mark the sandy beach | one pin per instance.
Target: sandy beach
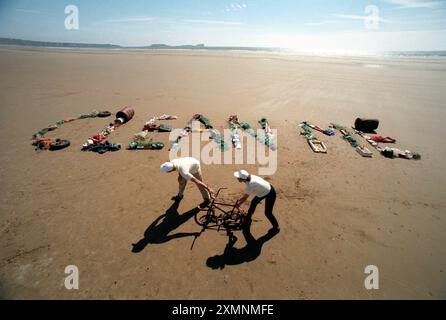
(338, 212)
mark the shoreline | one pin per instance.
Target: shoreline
(285, 55)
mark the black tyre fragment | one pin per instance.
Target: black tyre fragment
(59, 144)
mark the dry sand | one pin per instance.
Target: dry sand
(338, 212)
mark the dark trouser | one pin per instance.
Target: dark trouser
(269, 204)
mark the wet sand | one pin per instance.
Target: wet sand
(338, 212)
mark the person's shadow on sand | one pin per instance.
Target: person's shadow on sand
(234, 256)
(158, 231)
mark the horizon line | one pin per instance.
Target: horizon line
(47, 44)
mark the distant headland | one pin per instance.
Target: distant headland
(47, 44)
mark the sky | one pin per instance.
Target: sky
(306, 25)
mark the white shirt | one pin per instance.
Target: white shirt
(187, 167)
(258, 187)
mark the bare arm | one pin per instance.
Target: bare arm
(242, 200)
(201, 183)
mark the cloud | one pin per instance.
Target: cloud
(320, 23)
(414, 4)
(130, 19)
(358, 17)
(375, 18)
(216, 22)
(235, 7)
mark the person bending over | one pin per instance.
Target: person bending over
(261, 189)
(188, 168)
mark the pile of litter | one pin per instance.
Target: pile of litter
(42, 143)
(98, 143)
(174, 145)
(315, 144)
(141, 140)
(102, 147)
(387, 151)
(353, 139)
(266, 138)
(205, 121)
(350, 138)
(233, 126)
(152, 126)
(213, 133)
(330, 131)
(50, 144)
